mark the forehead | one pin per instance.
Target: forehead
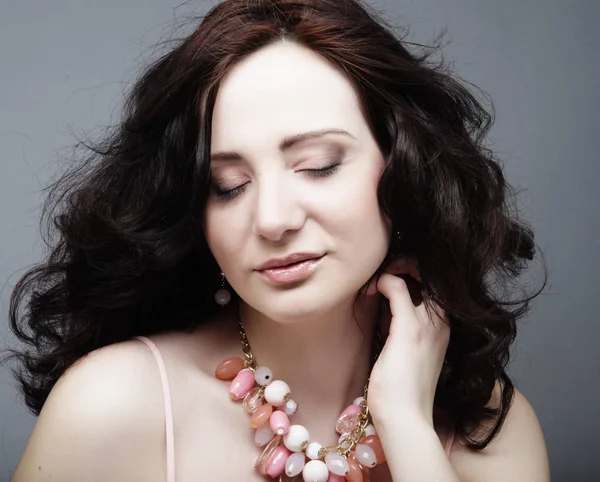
(281, 90)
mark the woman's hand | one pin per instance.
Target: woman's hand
(404, 379)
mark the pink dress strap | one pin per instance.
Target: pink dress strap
(449, 441)
(167, 405)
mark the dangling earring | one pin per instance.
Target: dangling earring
(397, 240)
(222, 296)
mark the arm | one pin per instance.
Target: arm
(518, 453)
(402, 390)
(413, 451)
(100, 422)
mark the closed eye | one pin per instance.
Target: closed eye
(229, 194)
(226, 195)
(325, 171)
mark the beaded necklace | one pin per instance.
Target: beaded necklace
(288, 448)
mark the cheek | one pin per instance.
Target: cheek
(218, 238)
(354, 203)
(365, 227)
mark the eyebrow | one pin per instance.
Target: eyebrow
(285, 144)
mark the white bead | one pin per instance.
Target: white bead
(295, 464)
(343, 436)
(337, 464)
(263, 435)
(366, 455)
(312, 451)
(277, 393)
(370, 430)
(263, 376)
(315, 471)
(290, 408)
(296, 437)
(358, 401)
(222, 297)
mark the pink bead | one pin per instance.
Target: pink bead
(353, 409)
(261, 416)
(335, 478)
(280, 422)
(241, 384)
(348, 419)
(276, 463)
(228, 369)
(363, 474)
(366, 474)
(355, 473)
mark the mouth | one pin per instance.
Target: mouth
(288, 260)
(293, 263)
(291, 272)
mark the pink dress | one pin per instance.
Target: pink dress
(170, 440)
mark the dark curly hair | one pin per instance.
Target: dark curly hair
(130, 256)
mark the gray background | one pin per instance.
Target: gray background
(65, 64)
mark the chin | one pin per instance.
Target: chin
(295, 309)
(300, 303)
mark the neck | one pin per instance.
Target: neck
(326, 360)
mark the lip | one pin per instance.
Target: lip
(293, 273)
(292, 258)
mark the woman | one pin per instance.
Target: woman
(296, 204)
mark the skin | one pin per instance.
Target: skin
(282, 91)
(104, 419)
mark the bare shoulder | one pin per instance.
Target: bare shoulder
(517, 453)
(103, 415)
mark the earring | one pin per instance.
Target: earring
(397, 240)
(222, 296)
(397, 243)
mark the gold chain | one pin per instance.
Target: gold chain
(249, 361)
(349, 443)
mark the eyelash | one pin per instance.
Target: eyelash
(223, 196)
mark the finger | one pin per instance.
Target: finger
(385, 322)
(405, 265)
(396, 291)
(408, 266)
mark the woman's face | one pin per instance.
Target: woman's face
(269, 199)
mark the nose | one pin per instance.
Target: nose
(277, 209)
